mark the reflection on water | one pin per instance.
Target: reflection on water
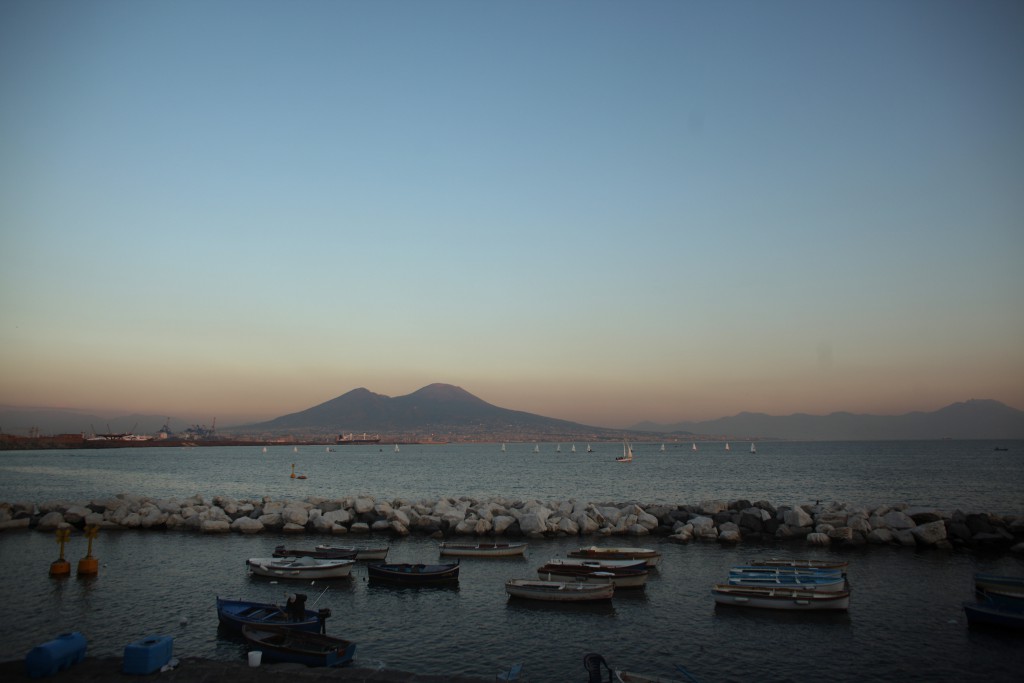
(905, 622)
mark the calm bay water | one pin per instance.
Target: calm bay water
(905, 621)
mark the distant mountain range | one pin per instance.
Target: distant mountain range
(446, 412)
(973, 419)
(438, 410)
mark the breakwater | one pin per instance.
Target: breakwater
(728, 522)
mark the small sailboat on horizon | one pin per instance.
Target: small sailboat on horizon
(536, 449)
(589, 449)
(726, 445)
(662, 448)
(753, 448)
(627, 453)
(396, 448)
(694, 446)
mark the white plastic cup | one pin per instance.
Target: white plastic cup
(255, 657)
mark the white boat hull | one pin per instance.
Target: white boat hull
(629, 581)
(300, 568)
(780, 598)
(651, 557)
(559, 591)
(598, 564)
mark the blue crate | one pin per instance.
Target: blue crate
(53, 656)
(147, 655)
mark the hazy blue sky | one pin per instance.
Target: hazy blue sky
(598, 211)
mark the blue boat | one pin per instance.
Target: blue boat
(805, 581)
(757, 570)
(234, 614)
(993, 614)
(998, 582)
(283, 644)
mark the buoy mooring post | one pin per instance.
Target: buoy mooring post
(61, 567)
(89, 565)
(293, 470)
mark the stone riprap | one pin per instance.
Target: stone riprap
(832, 524)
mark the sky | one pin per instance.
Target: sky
(599, 211)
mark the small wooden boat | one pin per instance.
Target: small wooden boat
(826, 584)
(482, 549)
(991, 613)
(233, 614)
(559, 591)
(999, 582)
(320, 553)
(751, 570)
(650, 556)
(813, 564)
(361, 553)
(621, 577)
(598, 564)
(414, 574)
(786, 598)
(282, 644)
(299, 568)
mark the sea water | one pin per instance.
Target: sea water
(905, 621)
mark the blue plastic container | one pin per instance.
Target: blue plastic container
(60, 653)
(147, 655)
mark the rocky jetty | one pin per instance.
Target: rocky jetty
(727, 522)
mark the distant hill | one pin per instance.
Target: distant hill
(438, 409)
(973, 419)
(50, 421)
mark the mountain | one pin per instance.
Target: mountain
(438, 409)
(973, 419)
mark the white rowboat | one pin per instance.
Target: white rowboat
(482, 549)
(650, 556)
(559, 591)
(300, 568)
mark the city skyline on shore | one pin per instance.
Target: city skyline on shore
(600, 212)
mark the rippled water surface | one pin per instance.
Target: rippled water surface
(905, 623)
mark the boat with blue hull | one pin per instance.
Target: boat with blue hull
(234, 614)
(999, 582)
(282, 644)
(991, 613)
(801, 581)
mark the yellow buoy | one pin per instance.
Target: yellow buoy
(293, 470)
(61, 567)
(89, 565)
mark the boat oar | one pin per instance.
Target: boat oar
(319, 596)
(682, 669)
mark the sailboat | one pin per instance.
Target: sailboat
(589, 449)
(726, 445)
(396, 448)
(502, 448)
(662, 448)
(573, 449)
(264, 449)
(694, 447)
(295, 449)
(753, 448)
(627, 453)
(536, 449)
(558, 448)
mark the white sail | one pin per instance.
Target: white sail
(753, 448)
(396, 448)
(726, 445)
(502, 448)
(694, 447)
(573, 449)
(627, 453)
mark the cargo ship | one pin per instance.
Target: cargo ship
(353, 440)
